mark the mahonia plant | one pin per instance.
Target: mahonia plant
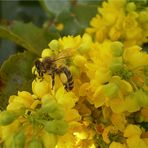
(108, 105)
(121, 20)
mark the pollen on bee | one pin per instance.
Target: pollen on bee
(63, 78)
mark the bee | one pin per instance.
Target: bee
(49, 66)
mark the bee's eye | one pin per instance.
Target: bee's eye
(37, 66)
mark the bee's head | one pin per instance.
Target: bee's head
(38, 64)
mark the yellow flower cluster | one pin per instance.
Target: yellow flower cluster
(108, 105)
(120, 20)
(27, 119)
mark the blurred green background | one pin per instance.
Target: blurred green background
(25, 11)
(74, 14)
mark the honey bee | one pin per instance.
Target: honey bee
(49, 66)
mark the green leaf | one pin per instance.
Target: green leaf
(144, 125)
(16, 75)
(84, 13)
(76, 22)
(89, 2)
(75, 15)
(27, 35)
(71, 25)
(55, 7)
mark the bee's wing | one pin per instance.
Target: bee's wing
(64, 54)
(61, 58)
(67, 52)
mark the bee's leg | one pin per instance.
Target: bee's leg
(34, 75)
(53, 80)
(34, 72)
(41, 76)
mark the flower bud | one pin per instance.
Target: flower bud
(74, 70)
(131, 6)
(58, 127)
(117, 48)
(85, 46)
(111, 89)
(46, 53)
(143, 16)
(57, 114)
(79, 60)
(54, 45)
(116, 65)
(59, 26)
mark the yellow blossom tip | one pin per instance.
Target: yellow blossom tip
(46, 53)
(54, 45)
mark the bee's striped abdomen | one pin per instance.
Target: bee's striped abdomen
(69, 84)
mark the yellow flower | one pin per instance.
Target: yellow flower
(136, 142)
(8, 133)
(110, 15)
(66, 99)
(136, 67)
(112, 93)
(132, 130)
(40, 88)
(66, 141)
(69, 42)
(108, 130)
(49, 140)
(54, 46)
(98, 68)
(110, 83)
(59, 26)
(131, 55)
(72, 115)
(47, 53)
(118, 104)
(85, 45)
(117, 145)
(99, 98)
(24, 99)
(79, 61)
(116, 20)
(76, 136)
(119, 121)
